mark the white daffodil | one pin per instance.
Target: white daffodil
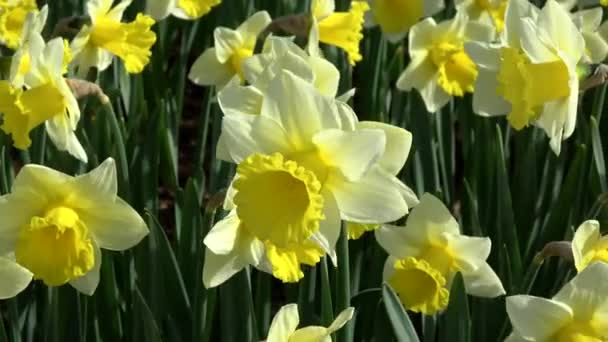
(340, 29)
(12, 19)
(579, 311)
(395, 18)
(55, 225)
(40, 94)
(588, 21)
(284, 326)
(97, 44)
(439, 66)
(425, 255)
(335, 169)
(532, 77)
(588, 246)
(490, 12)
(217, 65)
(183, 9)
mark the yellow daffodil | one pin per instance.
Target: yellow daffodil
(333, 167)
(578, 313)
(588, 246)
(55, 224)
(40, 94)
(396, 17)
(532, 77)
(97, 44)
(425, 255)
(183, 9)
(341, 29)
(284, 326)
(588, 21)
(217, 65)
(12, 19)
(15, 278)
(490, 12)
(439, 67)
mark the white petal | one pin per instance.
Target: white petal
(586, 292)
(159, 9)
(434, 96)
(253, 26)
(343, 318)
(470, 253)
(483, 54)
(533, 44)
(398, 145)
(208, 70)
(327, 76)
(301, 116)
(99, 182)
(227, 42)
(117, 11)
(115, 225)
(431, 218)
(87, 284)
(353, 153)
(596, 47)
(585, 237)
(329, 228)
(400, 242)
(222, 238)
(219, 268)
(421, 36)
(556, 21)
(486, 101)
(372, 199)
(537, 318)
(432, 6)
(418, 73)
(284, 324)
(17, 210)
(236, 98)
(483, 282)
(14, 278)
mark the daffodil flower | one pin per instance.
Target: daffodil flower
(284, 326)
(12, 19)
(395, 18)
(55, 225)
(40, 94)
(532, 77)
(183, 9)
(97, 44)
(334, 169)
(217, 65)
(588, 21)
(341, 29)
(439, 67)
(491, 12)
(578, 312)
(30, 39)
(425, 255)
(588, 246)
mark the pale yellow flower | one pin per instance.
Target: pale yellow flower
(183, 9)
(106, 37)
(425, 255)
(55, 225)
(396, 17)
(588, 246)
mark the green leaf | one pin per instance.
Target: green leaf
(400, 321)
(456, 327)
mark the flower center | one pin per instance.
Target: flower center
(457, 72)
(420, 287)
(278, 200)
(343, 29)
(197, 8)
(56, 248)
(129, 41)
(395, 16)
(527, 86)
(237, 57)
(578, 331)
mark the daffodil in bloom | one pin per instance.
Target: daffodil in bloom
(588, 246)
(532, 77)
(12, 20)
(486, 11)
(183, 9)
(588, 21)
(425, 255)
(40, 94)
(439, 67)
(30, 40)
(55, 225)
(284, 326)
(319, 166)
(341, 29)
(217, 65)
(578, 313)
(97, 44)
(396, 17)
